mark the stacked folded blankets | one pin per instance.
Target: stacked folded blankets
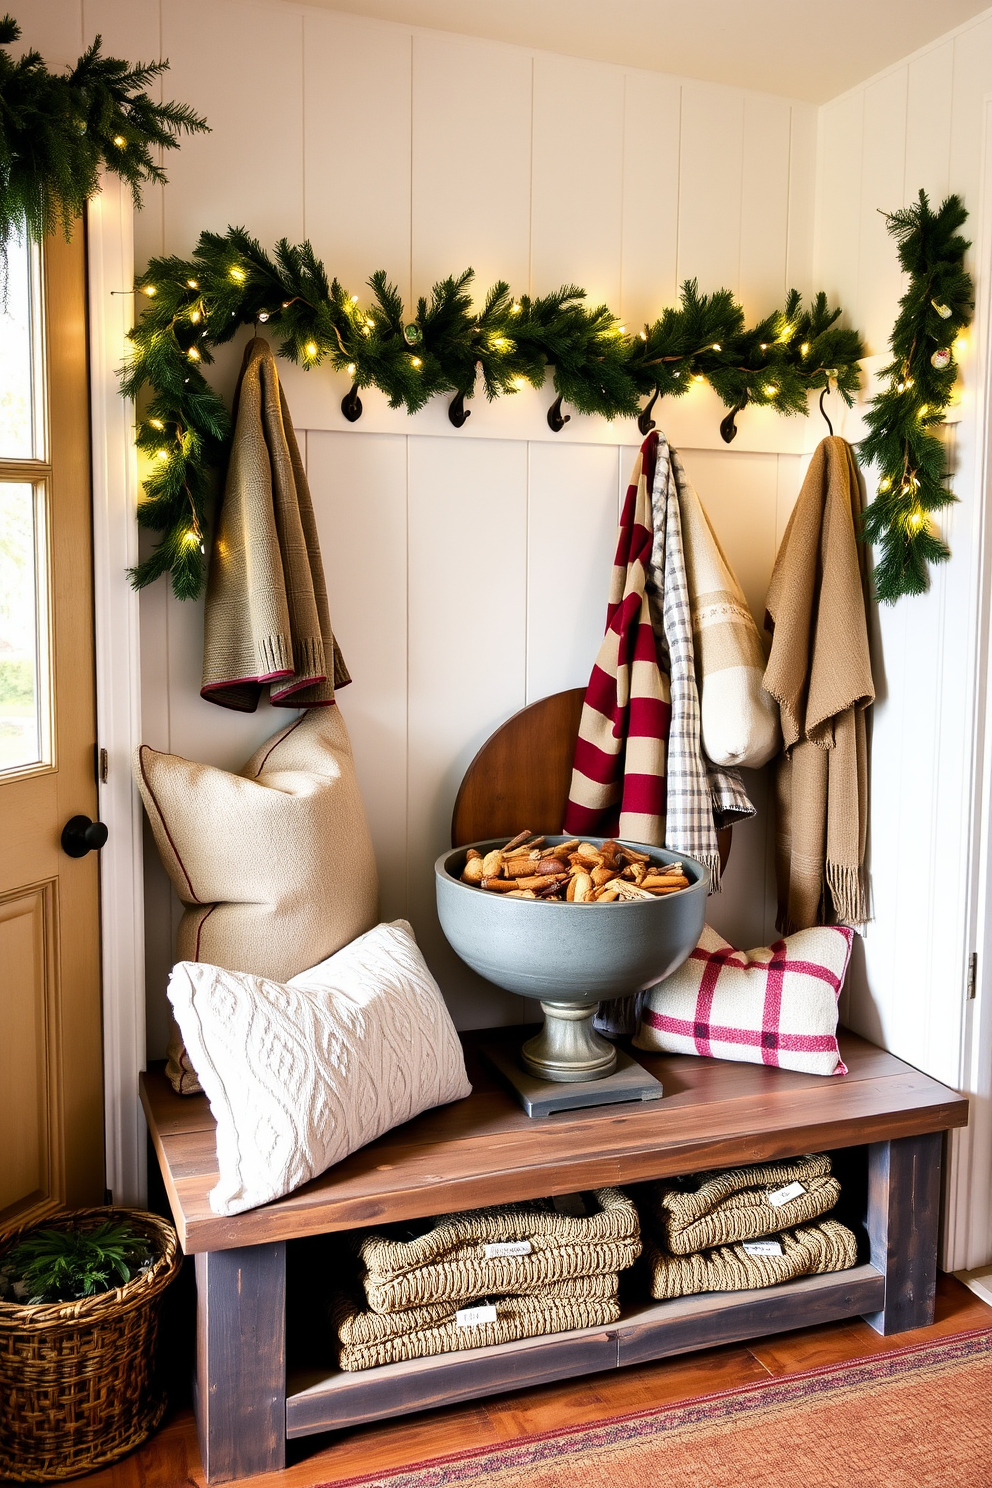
(744, 1227)
(488, 1276)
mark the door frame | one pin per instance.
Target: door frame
(110, 254)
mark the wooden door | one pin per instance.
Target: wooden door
(51, 1079)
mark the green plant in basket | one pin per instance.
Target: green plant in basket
(66, 1263)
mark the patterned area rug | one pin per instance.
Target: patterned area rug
(913, 1418)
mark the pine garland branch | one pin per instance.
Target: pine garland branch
(58, 130)
(446, 348)
(902, 417)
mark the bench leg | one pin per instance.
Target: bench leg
(903, 1213)
(240, 1389)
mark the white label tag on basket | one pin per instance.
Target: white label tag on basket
(473, 1317)
(763, 1247)
(780, 1196)
(508, 1248)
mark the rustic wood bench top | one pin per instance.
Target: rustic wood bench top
(485, 1150)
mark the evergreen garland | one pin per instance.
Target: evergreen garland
(901, 419)
(230, 281)
(57, 131)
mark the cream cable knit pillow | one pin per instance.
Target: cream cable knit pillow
(274, 864)
(299, 1074)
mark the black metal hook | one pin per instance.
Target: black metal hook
(824, 411)
(728, 425)
(556, 419)
(457, 412)
(644, 420)
(351, 405)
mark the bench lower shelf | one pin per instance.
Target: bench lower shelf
(650, 1331)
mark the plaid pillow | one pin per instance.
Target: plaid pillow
(776, 1005)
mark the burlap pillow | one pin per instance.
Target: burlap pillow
(775, 1005)
(274, 864)
(300, 1074)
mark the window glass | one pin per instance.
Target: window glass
(24, 703)
(19, 404)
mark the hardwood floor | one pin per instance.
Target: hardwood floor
(171, 1459)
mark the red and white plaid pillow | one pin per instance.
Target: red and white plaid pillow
(776, 1005)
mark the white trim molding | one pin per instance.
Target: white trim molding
(968, 1230)
(110, 242)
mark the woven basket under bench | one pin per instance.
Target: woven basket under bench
(77, 1379)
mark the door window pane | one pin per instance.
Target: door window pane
(20, 405)
(24, 700)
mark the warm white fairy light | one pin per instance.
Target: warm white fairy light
(311, 348)
(515, 308)
(238, 274)
(156, 423)
(416, 362)
(193, 283)
(120, 141)
(150, 290)
(769, 390)
(194, 316)
(351, 369)
(193, 354)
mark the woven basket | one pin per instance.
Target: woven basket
(77, 1382)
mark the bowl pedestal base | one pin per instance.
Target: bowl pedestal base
(539, 1097)
(568, 1049)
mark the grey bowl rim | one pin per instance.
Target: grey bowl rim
(700, 884)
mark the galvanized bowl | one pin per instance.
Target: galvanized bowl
(570, 957)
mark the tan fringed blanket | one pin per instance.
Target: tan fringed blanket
(267, 620)
(819, 673)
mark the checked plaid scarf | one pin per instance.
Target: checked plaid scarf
(639, 770)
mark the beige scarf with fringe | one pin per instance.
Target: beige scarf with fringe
(819, 673)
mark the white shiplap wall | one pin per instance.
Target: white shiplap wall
(922, 124)
(423, 152)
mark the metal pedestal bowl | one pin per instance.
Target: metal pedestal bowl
(570, 957)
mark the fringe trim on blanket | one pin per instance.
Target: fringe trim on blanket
(849, 894)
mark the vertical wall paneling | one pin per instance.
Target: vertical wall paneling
(764, 203)
(802, 198)
(577, 176)
(356, 148)
(466, 657)
(840, 136)
(972, 71)
(486, 172)
(649, 267)
(929, 100)
(882, 184)
(571, 536)
(710, 175)
(249, 171)
(359, 489)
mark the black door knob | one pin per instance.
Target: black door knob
(80, 836)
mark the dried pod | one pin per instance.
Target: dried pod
(521, 894)
(520, 866)
(516, 841)
(587, 852)
(541, 881)
(473, 872)
(583, 888)
(471, 853)
(492, 863)
(601, 876)
(630, 891)
(658, 893)
(501, 885)
(637, 857)
(570, 891)
(609, 892)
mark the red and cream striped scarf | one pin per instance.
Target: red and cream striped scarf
(619, 776)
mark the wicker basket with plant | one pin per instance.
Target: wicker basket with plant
(79, 1306)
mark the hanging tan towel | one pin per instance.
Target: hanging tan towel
(738, 720)
(516, 1317)
(738, 1204)
(819, 673)
(266, 620)
(511, 1248)
(806, 1251)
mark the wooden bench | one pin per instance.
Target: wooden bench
(884, 1121)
